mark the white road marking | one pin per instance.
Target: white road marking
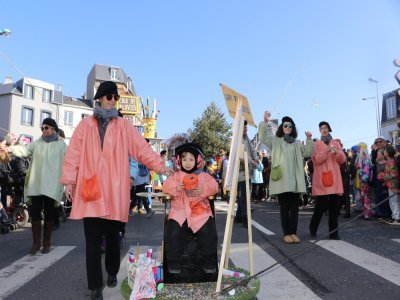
(396, 240)
(261, 228)
(277, 283)
(383, 267)
(23, 270)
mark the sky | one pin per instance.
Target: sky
(310, 60)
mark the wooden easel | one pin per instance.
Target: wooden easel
(238, 148)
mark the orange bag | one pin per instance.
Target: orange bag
(91, 190)
(190, 181)
(198, 208)
(327, 179)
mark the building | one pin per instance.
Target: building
(25, 103)
(391, 116)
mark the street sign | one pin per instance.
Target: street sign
(231, 98)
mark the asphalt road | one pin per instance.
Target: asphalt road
(364, 264)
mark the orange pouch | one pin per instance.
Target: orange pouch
(91, 188)
(198, 208)
(190, 181)
(327, 179)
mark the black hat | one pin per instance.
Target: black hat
(106, 87)
(50, 122)
(193, 148)
(288, 119)
(325, 123)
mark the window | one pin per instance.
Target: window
(28, 93)
(43, 115)
(68, 118)
(27, 116)
(114, 74)
(85, 115)
(46, 96)
(391, 107)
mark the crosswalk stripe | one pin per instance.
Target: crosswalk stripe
(261, 228)
(374, 263)
(277, 283)
(396, 240)
(23, 270)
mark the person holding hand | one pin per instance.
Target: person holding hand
(287, 180)
(96, 175)
(327, 182)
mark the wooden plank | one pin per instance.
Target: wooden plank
(249, 227)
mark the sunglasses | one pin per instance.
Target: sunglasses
(287, 126)
(378, 142)
(46, 128)
(110, 96)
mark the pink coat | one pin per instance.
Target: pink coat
(326, 161)
(180, 204)
(85, 158)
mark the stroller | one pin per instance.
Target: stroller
(6, 223)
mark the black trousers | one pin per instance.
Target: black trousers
(94, 229)
(289, 210)
(44, 203)
(176, 238)
(323, 203)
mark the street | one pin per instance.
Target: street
(364, 264)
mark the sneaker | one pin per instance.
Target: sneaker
(395, 222)
(295, 239)
(388, 220)
(174, 267)
(209, 267)
(288, 239)
(142, 211)
(131, 213)
(150, 213)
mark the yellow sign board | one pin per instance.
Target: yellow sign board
(231, 99)
(129, 105)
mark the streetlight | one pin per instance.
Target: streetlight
(5, 32)
(373, 80)
(377, 113)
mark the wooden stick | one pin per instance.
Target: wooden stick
(224, 261)
(249, 228)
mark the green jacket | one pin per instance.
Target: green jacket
(290, 159)
(44, 172)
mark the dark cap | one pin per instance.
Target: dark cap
(325, 123)
(106, 87)
(288, 119)
(50, 122)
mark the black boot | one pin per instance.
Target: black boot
(209, 264)
(112, 281)
(97, 294)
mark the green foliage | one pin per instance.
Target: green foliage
(212, 131)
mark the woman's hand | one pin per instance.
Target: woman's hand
(180, 187)
(267, 115)
(196, 192)
(166, 171)
(70, 192)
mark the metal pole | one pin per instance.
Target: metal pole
(379, 115)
